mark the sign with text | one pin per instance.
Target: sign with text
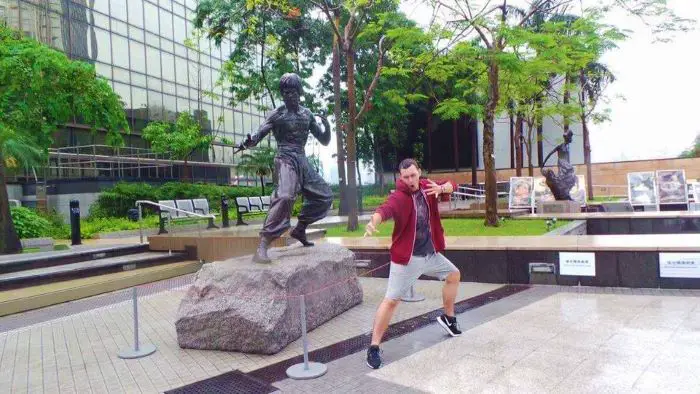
(679, 265)
(576, 264)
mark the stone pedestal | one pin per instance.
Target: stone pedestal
(559, 207)
(238, 305)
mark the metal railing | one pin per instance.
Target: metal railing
(140, 203)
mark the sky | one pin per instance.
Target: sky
(654, 101)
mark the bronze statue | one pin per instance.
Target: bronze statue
(560, 184)
(291, 124)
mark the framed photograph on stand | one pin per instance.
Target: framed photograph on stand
(641, 189)
(522, 193)
(672, 187)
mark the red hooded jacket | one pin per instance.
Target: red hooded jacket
(401, 207)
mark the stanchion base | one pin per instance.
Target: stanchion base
(413, 298)
(144, 350)
(298, 372)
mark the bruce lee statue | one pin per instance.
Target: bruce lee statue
(291, 124)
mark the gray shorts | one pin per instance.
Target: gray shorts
(402, 277)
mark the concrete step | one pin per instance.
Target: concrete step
(22, 262)
(39, 296)
(86, 268)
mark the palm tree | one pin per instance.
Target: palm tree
(592, 80)
(260, 162)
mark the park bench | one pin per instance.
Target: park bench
(196, 206)
(247, 205)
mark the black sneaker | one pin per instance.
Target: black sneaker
(449, 323)
(374, 360)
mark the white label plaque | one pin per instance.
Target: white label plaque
(679, 265)
(576, 264)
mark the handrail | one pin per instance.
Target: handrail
(140, 202)
(175, 209)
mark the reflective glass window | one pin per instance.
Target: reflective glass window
(183, 91)
(102, 46)
(152, 39)
(124, 92)
(183, 104)
(179, 32)
(166, 24)
(154, 84)
(151, 17)
(138, 79)
(120, 27)
(101, 6)
(169, 87)
(167, 4)
(101, 20)
(136, 33)
(168, 66)
(181, 70)
(79, 39)
(120, 74)
(120, 51)
(136, 12)
(153, 59)
(118, 8)
(155, 105)
(180, 50)
(138, 62)
(103, 69)
(179, 10)
(54, 5)
(139, 97)
(170, 106)
(228, 124)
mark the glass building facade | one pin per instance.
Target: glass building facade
(139, 46)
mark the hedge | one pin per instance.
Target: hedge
(115, 202)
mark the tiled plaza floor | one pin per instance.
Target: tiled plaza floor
(78, 352)
(543, 340)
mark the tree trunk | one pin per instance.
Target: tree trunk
(429, 128)
(530, 167)
(343, 205)
(490, 186)
(567, 99)
(9, 240)
(518, 141)
(359, 189)
(262, 184)
(586, 141)
(350, 137)
(512, 139)
(475, 154)
(455, 144)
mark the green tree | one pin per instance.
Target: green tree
(260, 161)
(40, 91)
(270, 38)
(593, 80)
(693, 151)
(181, 139)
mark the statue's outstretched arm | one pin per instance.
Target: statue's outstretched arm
(323, 136)
(263, 130)
(544, 162)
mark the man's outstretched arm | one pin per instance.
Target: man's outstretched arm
(384, 212)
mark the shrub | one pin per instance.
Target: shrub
(115, 202)
(28, 223)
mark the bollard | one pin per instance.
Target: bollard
(139, 350)
(224, 211)
(305, 370)
(163, 215)
(412, 296)
(75, 222)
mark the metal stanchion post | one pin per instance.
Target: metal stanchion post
(139, 350)
(305, 370)
(412, 296)
(140, 224)
(224, 211)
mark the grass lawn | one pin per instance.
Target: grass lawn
(462, 227)
(55, 248)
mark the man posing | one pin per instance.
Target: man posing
(416, 243)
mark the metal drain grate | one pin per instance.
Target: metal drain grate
(233, 382)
